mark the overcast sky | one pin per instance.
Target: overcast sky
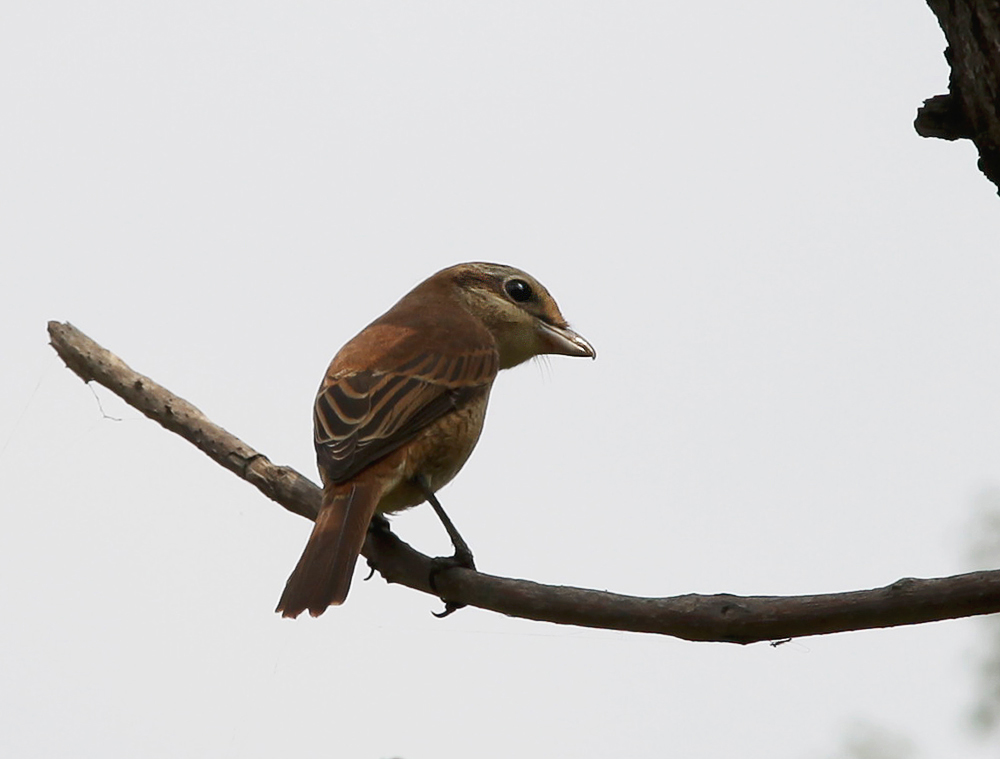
(794, 299)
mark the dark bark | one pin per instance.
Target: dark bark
(971, 109)
(722, 617)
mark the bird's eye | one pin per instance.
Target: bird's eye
(518, 290)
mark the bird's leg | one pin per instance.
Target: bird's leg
(461, 558)
(378, 524)
(463, 555)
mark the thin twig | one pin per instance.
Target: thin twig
(722, 617)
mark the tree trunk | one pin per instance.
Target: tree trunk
(971, 109)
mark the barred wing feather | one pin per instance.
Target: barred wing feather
(359, 417)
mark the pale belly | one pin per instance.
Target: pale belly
(437, 454)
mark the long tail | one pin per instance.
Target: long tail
(323, 575)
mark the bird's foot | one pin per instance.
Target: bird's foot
(378, 524)
(462, 559)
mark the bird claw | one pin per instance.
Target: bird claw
(378, 523)
(449, 608)
(439, 564)
(462, 559)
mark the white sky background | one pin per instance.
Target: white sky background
(793, 296)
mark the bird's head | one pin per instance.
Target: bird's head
(517, 309)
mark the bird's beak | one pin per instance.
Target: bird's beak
(564, 341)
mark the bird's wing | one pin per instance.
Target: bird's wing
(360, 416)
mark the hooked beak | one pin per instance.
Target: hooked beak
(564, 341)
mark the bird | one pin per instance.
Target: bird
(402, 406)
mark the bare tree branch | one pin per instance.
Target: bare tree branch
(971, 109)
(722, 617)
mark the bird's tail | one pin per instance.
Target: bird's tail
(323, 575)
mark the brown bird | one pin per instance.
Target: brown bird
(402, 405)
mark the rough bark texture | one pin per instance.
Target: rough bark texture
(971, 109)
(723, 617)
